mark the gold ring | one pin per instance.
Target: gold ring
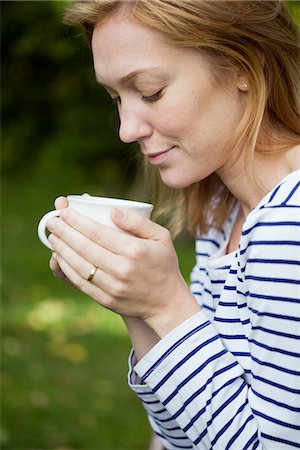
(92, 273)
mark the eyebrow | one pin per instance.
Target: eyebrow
(132, 75)
(135, 73)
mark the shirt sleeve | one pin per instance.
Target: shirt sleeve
(162, 423)
(203, 386)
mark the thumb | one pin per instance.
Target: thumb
(138, 225)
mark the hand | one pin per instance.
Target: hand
(60, 203)
(138, 274)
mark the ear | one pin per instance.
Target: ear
(242, 81)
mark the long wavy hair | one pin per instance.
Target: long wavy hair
(256, 36)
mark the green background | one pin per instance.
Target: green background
(64, 358)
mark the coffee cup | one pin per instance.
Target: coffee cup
(97, 208)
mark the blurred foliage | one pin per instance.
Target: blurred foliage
(57, 122)
(64, 358)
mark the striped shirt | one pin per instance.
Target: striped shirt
(228, 377)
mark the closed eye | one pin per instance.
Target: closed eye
(148, 99)
(153, 98)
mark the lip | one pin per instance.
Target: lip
(159, 157)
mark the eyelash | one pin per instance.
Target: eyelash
(153, 98)
(150, 99)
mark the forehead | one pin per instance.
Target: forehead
(121, 45)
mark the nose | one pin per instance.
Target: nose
(133, 127)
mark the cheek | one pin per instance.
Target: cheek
(175, 119)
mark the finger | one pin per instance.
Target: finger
(78, 249)
(61, 203)
(108, 283)
(107, 237)
(55, 268)
(85, 286)
(138, 225)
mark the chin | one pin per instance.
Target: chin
(176, 183)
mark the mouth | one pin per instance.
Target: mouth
(159, 157)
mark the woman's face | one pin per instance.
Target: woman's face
(168, 100)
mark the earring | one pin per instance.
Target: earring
(244, 87)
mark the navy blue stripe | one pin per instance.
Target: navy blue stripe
(229, 288)
(277, 385)
(173, 347)
(174, 445)
(275, 402)
(274, 349)
(182, 361)
(277, 333)
(202, 269)
(141, 394)
(233, 304)
(256, 444)
(202, 389)
(220, 319)
(227, 303)
(199, 413)
(271, 279)
(242, 354)
(208, 307)
(200, 437)
(237, 434)
(171, 429)
(281, 242)
(235, 336)
(291, 193)
(251, 440)
(278, 439)
(223, 267)
(217, 281)
(277, 421)
(176, 438)
(160, 411)
(186, 380)
(196, 292)
(270, 224)
(274, 193)
(210, 241)
(272, 261)
(274, 316)
(274, 366)
(202, 254)
(227, 425)
(157, 420)
(227, 402)
(154, 402)
(270, 297)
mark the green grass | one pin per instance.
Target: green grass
(64, 357)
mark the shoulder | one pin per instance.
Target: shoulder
(276, 219)
(279, 205)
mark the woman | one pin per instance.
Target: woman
(210, 91)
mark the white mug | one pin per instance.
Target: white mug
(97, 208)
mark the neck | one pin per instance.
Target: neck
(269, 170)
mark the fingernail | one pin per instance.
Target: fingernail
(51, 224)
(52, 239)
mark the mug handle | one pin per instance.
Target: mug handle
(42, 226)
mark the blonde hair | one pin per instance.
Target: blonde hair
(256, 36)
